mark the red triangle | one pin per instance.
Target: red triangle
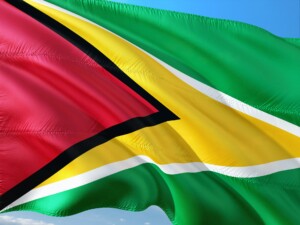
(52, 96)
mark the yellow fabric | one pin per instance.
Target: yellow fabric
(207, 131)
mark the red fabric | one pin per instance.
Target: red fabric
(52, 96)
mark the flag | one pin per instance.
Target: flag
(106, 104)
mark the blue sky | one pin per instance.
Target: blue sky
(152, 216)
(280, 17)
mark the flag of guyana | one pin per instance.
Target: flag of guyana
(105, 104)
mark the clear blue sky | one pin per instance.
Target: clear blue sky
(281, 17)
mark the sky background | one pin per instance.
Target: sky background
(281, 17)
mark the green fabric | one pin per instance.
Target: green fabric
(241, 60)
(294, 41)
(188, 199)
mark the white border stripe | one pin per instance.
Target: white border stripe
(232, 102)
(171, 169)
(203, 88)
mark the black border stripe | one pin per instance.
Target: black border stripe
(78, 149)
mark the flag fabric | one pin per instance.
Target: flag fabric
(105, 104)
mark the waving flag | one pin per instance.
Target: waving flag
(106, 104)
